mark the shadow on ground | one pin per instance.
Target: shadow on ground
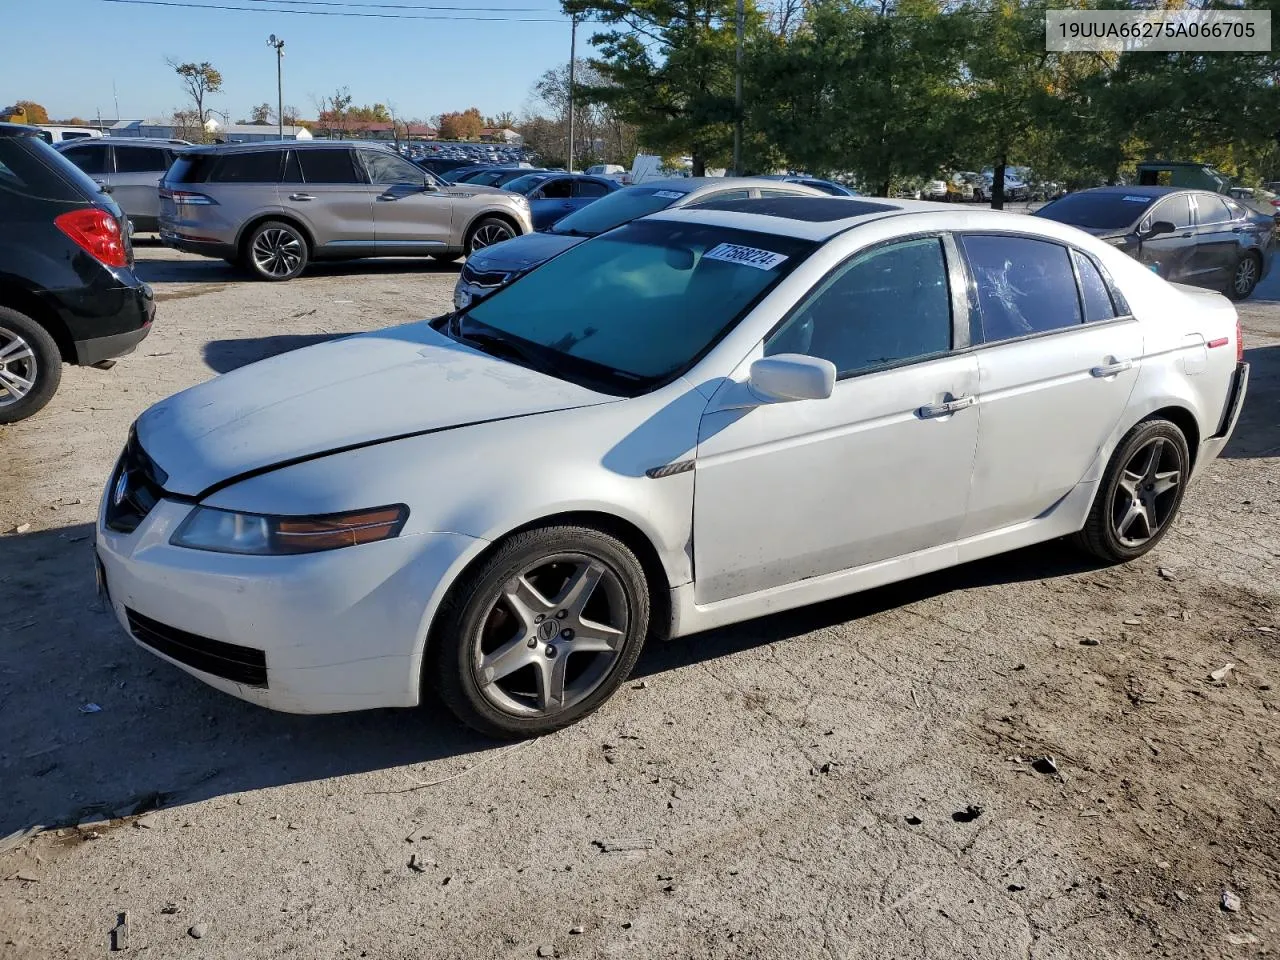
(1257, 433)
(211, 270)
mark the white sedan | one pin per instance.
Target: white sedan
(700, 417)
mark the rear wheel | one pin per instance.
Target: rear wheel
(542, 633)
(1245, 277)
(30, 366)
(1140, 493)
(276, 250)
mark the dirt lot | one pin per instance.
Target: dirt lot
(854, 780)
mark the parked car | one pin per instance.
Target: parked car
(487, 271)
(501, 503)
(614, 171)
(934, 190)
(490, 176)
(829, 187)
(60, 133)
(442, 166)
(1187, 236)
(130, 170)
(274, 207)
(553, 196)
(1260, 201)
(68, 293)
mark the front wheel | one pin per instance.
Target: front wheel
(276, 251)
(1140, 493)
(1244, 278)
(487, 232)
(30, 366)
(542, 633)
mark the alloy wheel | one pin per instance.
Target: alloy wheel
(18, 369)
(1147, 492)
(277, 252)
(490, 233)
(1246, 276)
(552, 636)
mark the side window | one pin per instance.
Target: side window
(328, 166)
(1211, 209)
(388, 169)
(590, 188)
(556, 190)
(889, 305)
(1024, 286)
(724, 195)
(1177, 210)
(92, 160)
(1237, 211)
(139, 160)
(255, 167)
(1093, 290)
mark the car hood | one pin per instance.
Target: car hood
(521, 253)
(339, 395)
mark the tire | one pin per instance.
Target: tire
(1245, 277)
(30, 366)
(487, 231)
(527, 652)
(1111, 533)
(276, 250)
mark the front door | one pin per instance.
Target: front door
(408, 218)
(325, 188)
(1169, 253)
(1055, 377)
(136, 182)
(793, 490)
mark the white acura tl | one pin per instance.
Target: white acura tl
(700, 417)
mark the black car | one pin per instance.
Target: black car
(1187, 236)
(68, 293)
(490, 176)
(444, 166)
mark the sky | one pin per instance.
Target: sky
(422, 67)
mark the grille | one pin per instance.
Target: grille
(136, 487)
(492, 278)
(227, 660)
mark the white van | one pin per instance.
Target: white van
(52, 133)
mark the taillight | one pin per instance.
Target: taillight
(189, 198)
(1239, 342)
(97, 233)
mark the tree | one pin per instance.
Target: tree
(261, 114)
(187, 125)
(501, 121)
(200, 80)
(34, 111)
(465, 125)
(668, 68)
(333, 111)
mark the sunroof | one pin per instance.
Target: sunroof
(812, 209)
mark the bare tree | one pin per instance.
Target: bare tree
(200, 80)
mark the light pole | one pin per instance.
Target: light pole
(274, 41)
(573, 56)
(737, 98)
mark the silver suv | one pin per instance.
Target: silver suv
(129, 169)
(274, 207)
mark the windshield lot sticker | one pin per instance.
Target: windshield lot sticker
(747, 256)
(668, 194)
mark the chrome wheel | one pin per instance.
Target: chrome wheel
(552, 636)
(276, 252)
(18, 368)
(1146, 494)
(1246, 277)
(487, 234)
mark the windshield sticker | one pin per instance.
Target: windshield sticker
(668, 194)
(747, 256)
(1137, 199)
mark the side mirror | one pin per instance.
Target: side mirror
(792, 376)
(429, 186)
(1158, 228)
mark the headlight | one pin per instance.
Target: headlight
(225, 531)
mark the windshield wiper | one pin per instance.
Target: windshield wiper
(498, 344)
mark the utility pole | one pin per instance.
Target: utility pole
(274, 41)
(573, 57)
(737, 99)
(115, 96)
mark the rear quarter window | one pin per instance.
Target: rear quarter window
(255, 167)
(29, 167)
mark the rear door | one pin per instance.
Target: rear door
(1057, 362)
(136, 182)
(586, 190)
(407, 218)
(1170, 253)
(326, 188)
(1217, 242)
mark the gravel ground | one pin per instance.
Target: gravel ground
(864, 778)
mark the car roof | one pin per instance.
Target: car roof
(1136, 191)
(129, 142)
(808, 217)
(288, 145)
(19, 130)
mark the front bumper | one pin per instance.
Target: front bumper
(316, 633)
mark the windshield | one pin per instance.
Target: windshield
(527, 182)
(622, 206)
(1098, 211)
(633, 309)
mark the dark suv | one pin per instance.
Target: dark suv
(68, 292)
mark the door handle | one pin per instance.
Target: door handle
(946, 408)
(1111, 369)
(301, 196)
(1185, 235)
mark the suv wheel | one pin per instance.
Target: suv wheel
(487, 232)
(30, 366)
(276, 250)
